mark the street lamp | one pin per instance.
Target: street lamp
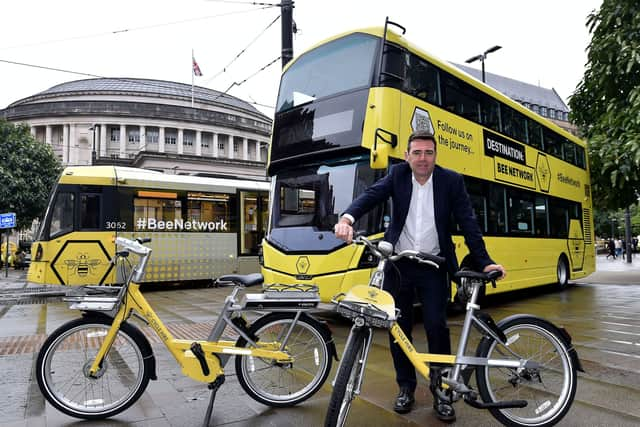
(482, 57)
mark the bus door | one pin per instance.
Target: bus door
(575, 244)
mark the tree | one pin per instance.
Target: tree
(606, 103)
(28, 170)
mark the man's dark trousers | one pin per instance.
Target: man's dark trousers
(432, 291)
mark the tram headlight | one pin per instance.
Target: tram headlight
(39, 252)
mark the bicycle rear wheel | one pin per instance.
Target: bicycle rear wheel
(286, 384)
(65, 358)
(548, 389)
(347, 378)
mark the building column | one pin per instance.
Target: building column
(198, 143)
(123, 141)
(215, 145)
(65, 144)
(33, 131)
(180, 141)
(104, 130)
(258, 153)
(161, 140)
(230, 146)
(143, 139)
(73, 146)
(245, 148)
(48, 135)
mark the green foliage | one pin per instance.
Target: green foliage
(605, 221)
(28, 170)
(606, 104)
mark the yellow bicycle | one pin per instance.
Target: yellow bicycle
(525, 366)
(97, 366)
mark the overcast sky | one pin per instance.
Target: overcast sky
(543, 41)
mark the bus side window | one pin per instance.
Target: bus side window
(62, 215)
(521, 213)
(497, 217)
(478, 202)
(460, 98)
(90, 211)
(558, 219)
(422, 80)
(542, 219)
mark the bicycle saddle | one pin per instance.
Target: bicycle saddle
(485, 277)
(242, 279)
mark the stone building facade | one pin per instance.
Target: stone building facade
(151, 124)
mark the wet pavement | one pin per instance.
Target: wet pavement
(600, 311)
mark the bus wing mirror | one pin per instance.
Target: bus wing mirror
(382, 144)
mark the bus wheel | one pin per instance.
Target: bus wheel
(563, 272)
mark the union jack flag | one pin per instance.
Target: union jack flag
(196, 68)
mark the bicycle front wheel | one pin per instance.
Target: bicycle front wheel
(548, 388)
(286, 384)
(347, 378)
(62, 369)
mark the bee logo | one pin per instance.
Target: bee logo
(82, 266)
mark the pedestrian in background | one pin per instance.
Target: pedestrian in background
(618, 247)
(611, 246)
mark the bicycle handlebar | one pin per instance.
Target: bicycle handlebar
(136, 246)
(385, 250)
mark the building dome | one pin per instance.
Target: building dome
(159, 89)
(153, 124)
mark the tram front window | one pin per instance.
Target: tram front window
(308, 202)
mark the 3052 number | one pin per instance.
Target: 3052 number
(116, 225)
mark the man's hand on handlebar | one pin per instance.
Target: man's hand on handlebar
(498, 267)
(343, 230)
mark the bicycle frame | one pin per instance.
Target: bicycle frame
(213, 353)
(134, 301)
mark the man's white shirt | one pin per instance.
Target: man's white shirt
(419, 232)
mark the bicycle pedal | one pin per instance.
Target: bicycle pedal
(197, 351)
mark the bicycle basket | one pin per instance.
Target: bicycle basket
(93, 298)
(372, 315)
(375, 306)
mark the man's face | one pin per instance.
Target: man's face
(422, 158)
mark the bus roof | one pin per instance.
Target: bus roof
(134, 177)
(446, 66)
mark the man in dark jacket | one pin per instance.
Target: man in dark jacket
(425, 198)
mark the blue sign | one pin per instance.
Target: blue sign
(8, 220)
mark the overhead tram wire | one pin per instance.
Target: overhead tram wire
(254, 3)
(141, 28)
(245, 80)
(224, 69)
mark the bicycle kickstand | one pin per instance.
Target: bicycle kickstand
(214, 386)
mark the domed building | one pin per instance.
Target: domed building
(151, 124)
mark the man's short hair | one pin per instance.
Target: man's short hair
(421, 134)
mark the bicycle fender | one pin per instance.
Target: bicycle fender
(562, 333)
(326, 334)
(137, 335)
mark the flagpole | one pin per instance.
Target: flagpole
(192, 77)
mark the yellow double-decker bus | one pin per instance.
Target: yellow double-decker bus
(344, 112)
